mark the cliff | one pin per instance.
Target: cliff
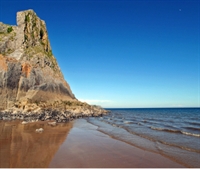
(30, 77)
(28, 69)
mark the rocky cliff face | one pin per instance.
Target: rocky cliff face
(28, 70)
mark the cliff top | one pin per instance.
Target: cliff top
(28, 41)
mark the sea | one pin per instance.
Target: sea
(172, 132)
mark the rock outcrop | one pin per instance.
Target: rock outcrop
(29, 73)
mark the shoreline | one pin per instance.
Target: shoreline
(74, 144)
(139, 142)
(89, 148)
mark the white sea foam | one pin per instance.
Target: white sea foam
(128, 122)
(190, 134)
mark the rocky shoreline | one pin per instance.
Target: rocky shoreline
(60, 112)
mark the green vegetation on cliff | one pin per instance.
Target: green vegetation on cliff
(10, 29)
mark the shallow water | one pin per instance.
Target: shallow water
(172, 132)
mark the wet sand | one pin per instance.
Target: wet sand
(86, 147)
(22, 147)
(75, 144)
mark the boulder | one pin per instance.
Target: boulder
(24, 122)
(40, 130)
(52, 123)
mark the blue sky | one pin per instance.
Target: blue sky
(123, 53)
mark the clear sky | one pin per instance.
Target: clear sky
(142, 53)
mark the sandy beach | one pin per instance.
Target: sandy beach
(75, 144)
(86, 147)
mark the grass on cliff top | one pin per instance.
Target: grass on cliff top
(10, 29)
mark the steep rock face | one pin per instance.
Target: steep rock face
(28, 69)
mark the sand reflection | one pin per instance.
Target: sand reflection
(21, 146)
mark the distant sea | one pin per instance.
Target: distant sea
(172, 132)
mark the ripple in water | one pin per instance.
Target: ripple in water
(177, 130)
